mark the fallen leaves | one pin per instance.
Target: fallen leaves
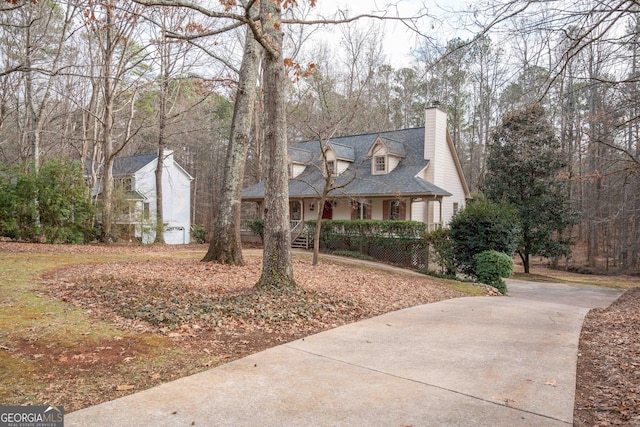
(179, 316)
(183, 298)
(608, 372)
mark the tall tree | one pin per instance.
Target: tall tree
(171, 60)
(225, 245)
(523, 169)
(277, 267)
(113, 23)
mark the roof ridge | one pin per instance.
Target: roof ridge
(363, 134)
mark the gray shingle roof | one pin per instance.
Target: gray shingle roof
(125, 165)
(298, 155)
(358, 179)
(132, 164)
(395, 147)
(343, 152)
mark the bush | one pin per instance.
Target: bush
(443, 250)
(353, 254)
(52, 206)
(398, 242)
(257, 227)
(491, 267)
(199, 233)
(483, 226)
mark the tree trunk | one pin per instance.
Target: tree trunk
(159, 170)
(162, 125)
(317, 229)
(225, 246)
(107, 131)
(277, 268)
(525, 261)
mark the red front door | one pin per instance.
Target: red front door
(327, 212)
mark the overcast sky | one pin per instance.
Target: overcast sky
(399, 40)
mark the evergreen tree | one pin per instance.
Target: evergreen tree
(524, 169)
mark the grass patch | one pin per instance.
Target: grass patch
(559, 276)
(50, 351)
(467, 288)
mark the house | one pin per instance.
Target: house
(135, 182)
(411, 174)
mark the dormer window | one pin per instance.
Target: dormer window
(385, 155)
(331, 167)
(298, 161)
(337, 158)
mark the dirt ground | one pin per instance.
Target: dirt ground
(174, 316)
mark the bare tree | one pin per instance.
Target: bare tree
(113, 23)
(225, 245)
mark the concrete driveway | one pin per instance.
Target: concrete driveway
(485, 361)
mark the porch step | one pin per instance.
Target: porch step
(303, 241)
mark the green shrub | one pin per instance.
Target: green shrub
(397, 242)
(199, 233)
(443, 250)
(483, 226)
(353, 254)
(257, 227)
(491, 267)
(53, 206)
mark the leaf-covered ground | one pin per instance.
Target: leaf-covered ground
(608, 373)
(164, 314)
(108, 321)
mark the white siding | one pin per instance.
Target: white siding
(342, 166)
(177, 208)
(176, 201)
(376, 209)
(393, 162)
(297, 169)
(442, 170)
(418, 212)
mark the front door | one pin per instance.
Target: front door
(327, 212)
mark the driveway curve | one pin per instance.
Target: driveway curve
(476, 361)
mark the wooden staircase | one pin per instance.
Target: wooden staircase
(299, 238)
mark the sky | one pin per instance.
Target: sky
(400, 40)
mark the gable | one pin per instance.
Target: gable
(385, 155)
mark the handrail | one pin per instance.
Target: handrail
(294, 225)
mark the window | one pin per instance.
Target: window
(380, 164)
(145, 210)
(361, 210)
(124, 183)
(331, 167)
(394, 210)
(455, 208)
(295, 210)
